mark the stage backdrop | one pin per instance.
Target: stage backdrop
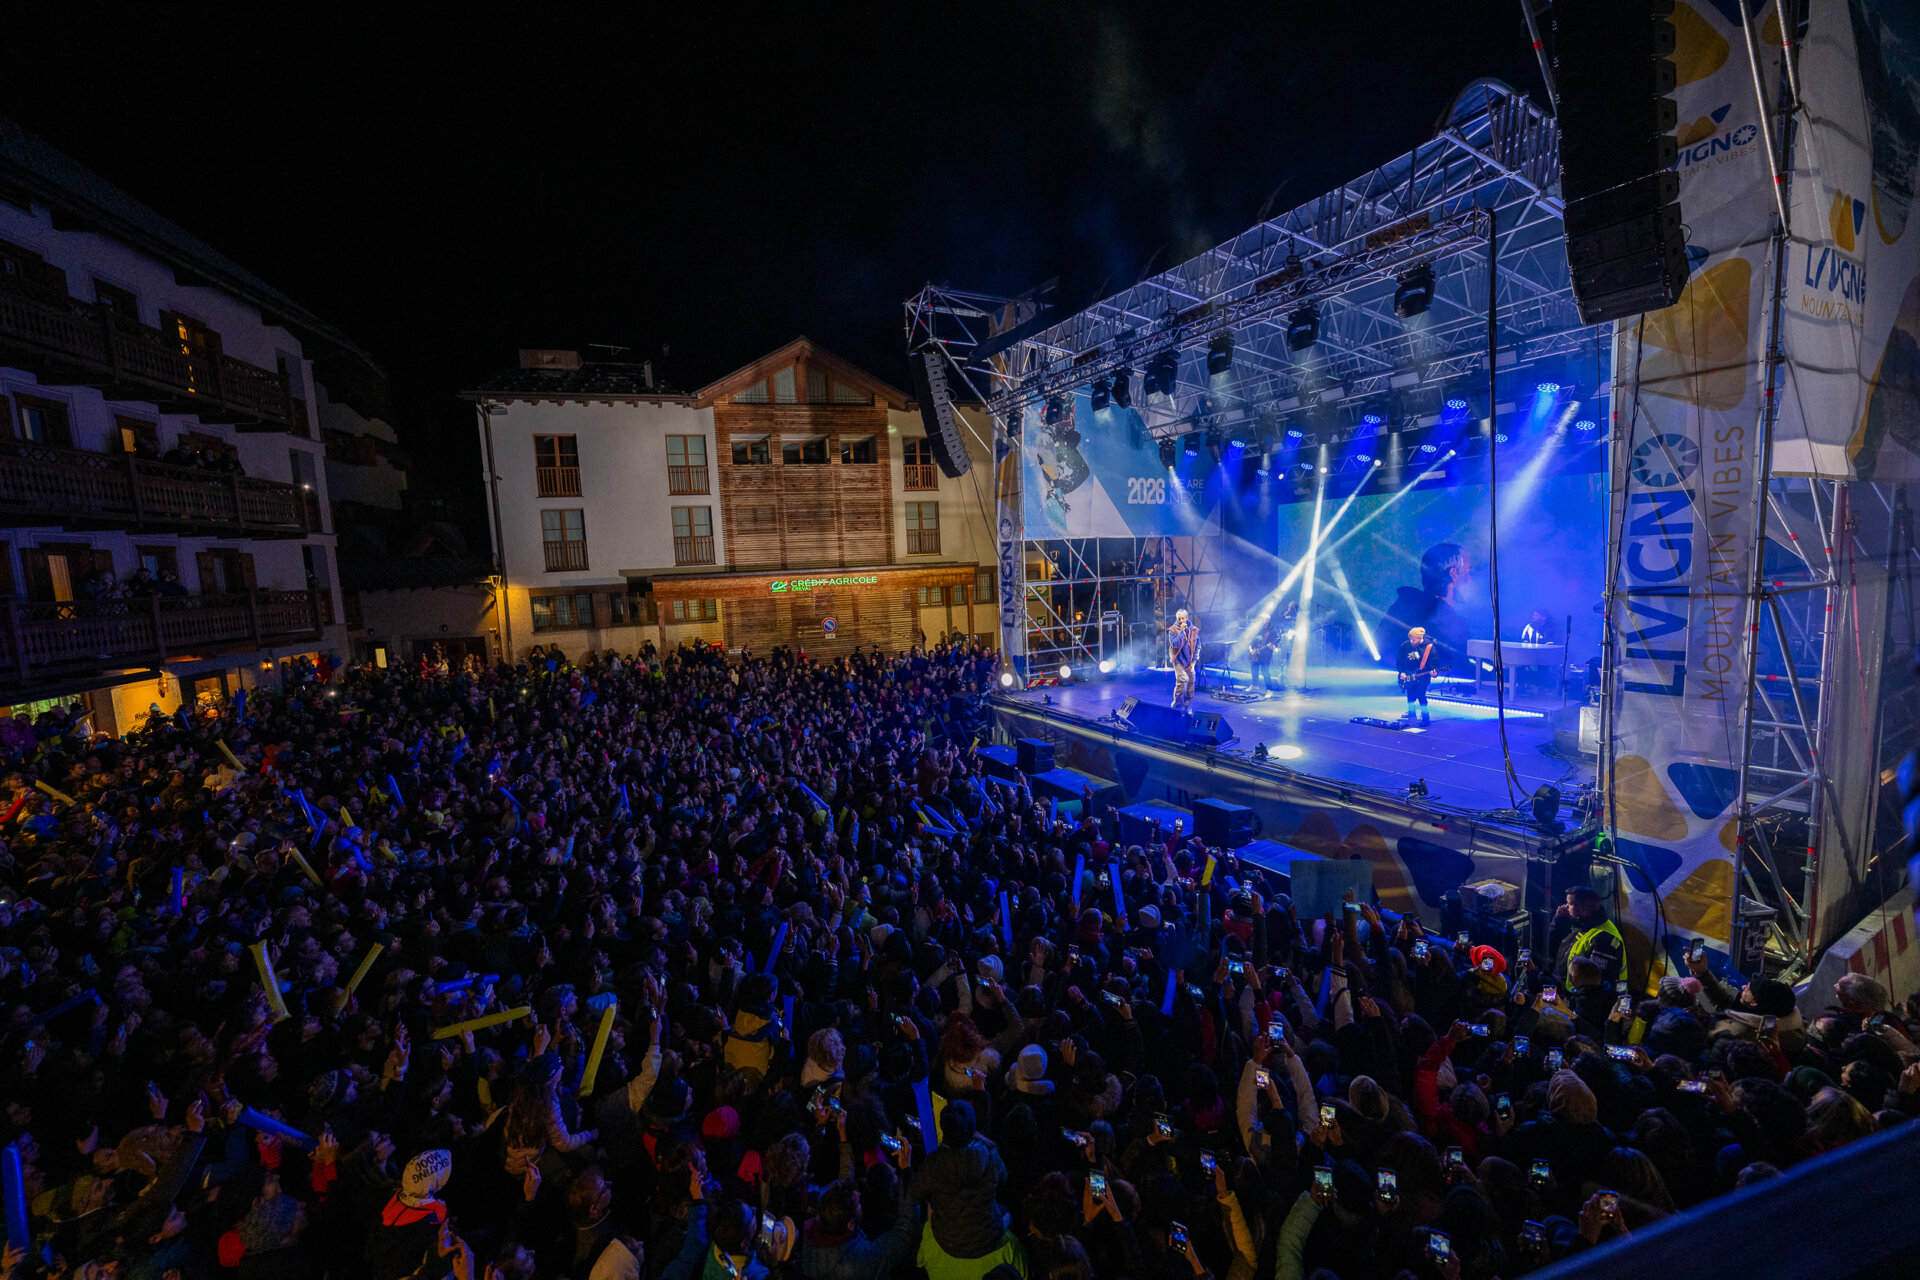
(1100, 476)
(1552, 541)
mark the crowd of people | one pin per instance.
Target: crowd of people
(729, 967)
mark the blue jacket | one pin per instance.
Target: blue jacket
(857, 1257)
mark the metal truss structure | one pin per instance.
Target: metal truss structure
(1079, 613)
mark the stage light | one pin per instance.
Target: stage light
(1413, 292)
(1101, 394)
(1166, 454)
(1456, 404)
(1295, 433)
(1429, 448)
(1499, 437)
(1106, 666)
(1586, 424)
(1548, 388)
(1371, 420)
(1323, 471)
(1378, 463)
(1122, 388)
(1162, 372)
(1263, 464)
(1190, 444)
(1056, 410)
(1364, 457)
(1006, 679)
(1066, 672)
(1303, 327)
(1220, 354)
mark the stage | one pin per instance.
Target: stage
(1330, 786)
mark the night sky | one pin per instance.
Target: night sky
(700, 183)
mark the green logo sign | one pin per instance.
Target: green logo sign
(780, 585)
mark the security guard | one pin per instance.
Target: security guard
(1589, 955)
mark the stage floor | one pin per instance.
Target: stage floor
(1458, 754)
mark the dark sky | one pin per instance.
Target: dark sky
(718, 178)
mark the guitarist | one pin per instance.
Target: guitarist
(1416, 665)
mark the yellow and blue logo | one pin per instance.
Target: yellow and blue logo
(1845, 219)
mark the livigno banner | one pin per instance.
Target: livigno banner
(1851, 332)
(1689, 398)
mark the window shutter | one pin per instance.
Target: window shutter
(39, 578)
(209, 576)
(102, 560)
(246, 570)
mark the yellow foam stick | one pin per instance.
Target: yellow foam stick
(301, 860)
(232, 759)
(1206, 876)
(264, 964)
(481, 1024)
(55, 792)
(592, 1072)
(353, 983)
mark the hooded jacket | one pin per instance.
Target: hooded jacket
(960, 1187)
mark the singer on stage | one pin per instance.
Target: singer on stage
(1183, 651)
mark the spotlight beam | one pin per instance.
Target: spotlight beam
(1397, 494)
(1303, 630)
(1353, 606)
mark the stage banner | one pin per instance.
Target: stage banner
(1687, 433)
(1099, 475)
(1851, 403)
(1011, 530)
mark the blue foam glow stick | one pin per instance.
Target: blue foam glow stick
(779, 941)
(459, 749)
(72, 1002)
(1166, 1005)
(240, 706)
(508, 793)
(818, 803)
(267, 1124)
(395, 788)
(1119, 898)
(461, 984)
(19, 1234)
(924, 1097)
(1053, 810)
(1006, 923)
(1079, 870)
(570, 840)
(179, 885)
(625, 802)
(319, 834)
(786, 1014)
(1326, 989)
(854, 833)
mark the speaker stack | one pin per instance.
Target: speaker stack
(1626, 247)
(936, 412)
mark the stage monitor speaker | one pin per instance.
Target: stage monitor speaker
(1626, 248)
(1209, 727)
(936, 412)
(1221, 825)
(1035, 755)
(1155, 720)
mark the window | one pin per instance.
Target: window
(860, 449)
(563, 613)
(619, 609)
(755, 394)
(565, 536)
(556, 463)
(696, 611)
(751, 453)
(693, 535)
(158, 560)
(137, 435)
(783, 386)
(43, 421)
(811, 452)
(930, 595)
(983, 587)
(919, 464)
(923, 528)
(687, 464)
(118, 302)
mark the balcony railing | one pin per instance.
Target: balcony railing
(48, 639)
(564, 556)
(923, 542)
(558, 482)
(687, 479)
(136, 362)
(697, 549)
(922, 475)
(41, 482)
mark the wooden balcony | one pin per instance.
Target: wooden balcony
(45, 484)
(921, 475)
(558, 482)
(564, 557)
(697, 549)
(41, 640)
(63, 339)
(923, 542)
(682, 479)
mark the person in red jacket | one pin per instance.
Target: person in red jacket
(1461, 1121)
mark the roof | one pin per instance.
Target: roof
(803, 350)
(85, 201)
(591, 381)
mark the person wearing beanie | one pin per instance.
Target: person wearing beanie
(408, 1233)
(1029, 1074)
(1763, 1007)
